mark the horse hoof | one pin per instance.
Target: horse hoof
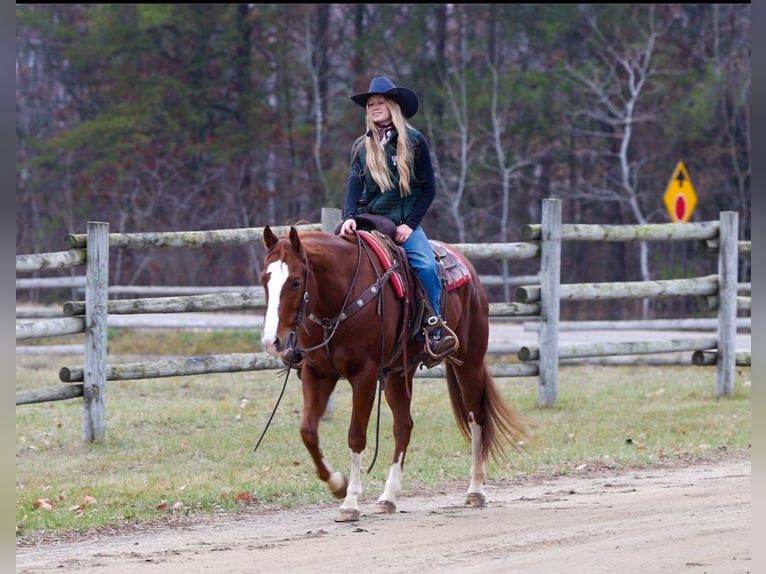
(338, 483)
(347, 515)
(340, 493)
(476, 500)
(385, 507)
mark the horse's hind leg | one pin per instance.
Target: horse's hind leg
(475, 495)
(467, 411)
(399, 399)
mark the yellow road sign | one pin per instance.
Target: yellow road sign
(679, 197)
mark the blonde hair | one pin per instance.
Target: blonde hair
(376, 157)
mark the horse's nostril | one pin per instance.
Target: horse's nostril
(278, 344)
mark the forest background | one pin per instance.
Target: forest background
(183, 117)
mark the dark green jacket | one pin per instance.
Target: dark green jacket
(409, 209)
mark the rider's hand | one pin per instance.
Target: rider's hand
(348, 227)
(403, 233)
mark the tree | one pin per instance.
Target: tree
(619, 95)
(192, 116)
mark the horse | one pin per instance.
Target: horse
(334, 310)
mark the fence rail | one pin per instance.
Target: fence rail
(541, 301)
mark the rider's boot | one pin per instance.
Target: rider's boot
(438, 345)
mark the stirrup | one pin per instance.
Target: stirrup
(439, 354)
(430, 358)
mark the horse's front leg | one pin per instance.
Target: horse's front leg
(316, 394)
(349, 510)
(363, 398)
(399, 398)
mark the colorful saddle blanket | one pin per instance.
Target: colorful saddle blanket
(451, 264)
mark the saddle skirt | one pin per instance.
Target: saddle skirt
(451, 264)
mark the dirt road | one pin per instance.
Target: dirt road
(688, 519)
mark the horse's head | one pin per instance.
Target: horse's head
(284, 283)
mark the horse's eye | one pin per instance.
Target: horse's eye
(296, 282)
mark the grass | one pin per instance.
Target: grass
(184, 445)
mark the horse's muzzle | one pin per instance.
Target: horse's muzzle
(273, 347)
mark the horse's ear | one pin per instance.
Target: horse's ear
(295, 240)
(269, 239)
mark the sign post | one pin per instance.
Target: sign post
(680, 199)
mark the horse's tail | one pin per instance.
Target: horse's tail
(501, 424)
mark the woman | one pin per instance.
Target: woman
(392, 175)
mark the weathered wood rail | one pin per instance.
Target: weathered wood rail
(540, 300)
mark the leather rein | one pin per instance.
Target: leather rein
(348, 308)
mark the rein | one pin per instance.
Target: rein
(324, 323)
(294, 336)
(274, 410)
(330, 327)
(346, 311)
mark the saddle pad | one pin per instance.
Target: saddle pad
(384, 255)
(453, 263)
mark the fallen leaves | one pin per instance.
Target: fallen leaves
(78, 509)
(242, 497)
(178, 506)
(45, 504)
(245, 498)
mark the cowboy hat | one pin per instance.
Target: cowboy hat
(406, 98)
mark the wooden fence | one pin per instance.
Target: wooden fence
(541, 301)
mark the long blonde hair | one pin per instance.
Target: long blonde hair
(376, 157)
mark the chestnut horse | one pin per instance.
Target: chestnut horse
(332, 303)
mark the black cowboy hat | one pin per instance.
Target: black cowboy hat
(406, 98)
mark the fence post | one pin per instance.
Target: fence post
(96, 298)
(550, 275)
(728, 255)
(331, 216)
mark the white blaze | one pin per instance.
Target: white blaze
(277, 277)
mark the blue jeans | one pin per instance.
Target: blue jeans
(422, 260)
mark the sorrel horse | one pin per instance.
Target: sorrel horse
(332, 302)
